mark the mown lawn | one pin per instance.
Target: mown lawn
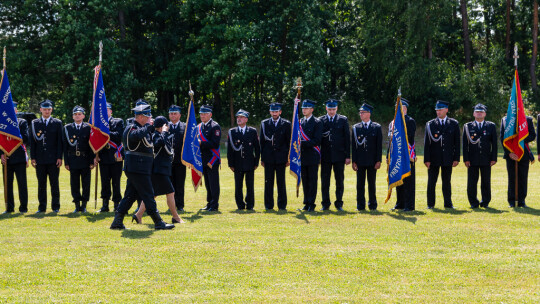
(429, 256)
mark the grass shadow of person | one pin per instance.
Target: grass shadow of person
(192, 218)
(403, 217)
(489, 210)
(6, 216)
(43, 215)
(301, 216)
(95, 217)
(450, 211)
(527, 210)
(137, 234)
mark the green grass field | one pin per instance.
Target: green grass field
(428, 256)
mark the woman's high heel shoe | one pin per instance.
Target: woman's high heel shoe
(174, 221)
(134, 218)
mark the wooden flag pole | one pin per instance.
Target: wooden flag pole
(516, 200)
(97, 165)
(5, 157)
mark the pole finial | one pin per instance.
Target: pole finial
(399, 91)
(100, 51)
(191, 93)
(516, 55)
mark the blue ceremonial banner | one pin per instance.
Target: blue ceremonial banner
(191, 151)
(10, 135)
(294, 148)
(99, 118)
(399, 155)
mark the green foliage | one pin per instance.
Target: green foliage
(248, 53)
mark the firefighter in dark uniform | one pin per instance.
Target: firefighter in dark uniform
(275, 140)
(137, 140)
(310, 149)
(78, 158)
(479, 155)
(211, 159)
(110, 163)
(406, 193)
(16, 165)
(335, 153)
(178, 178)
(366, 157)
(441, 152)
(46, 148)
(523, 166)
(243, 154)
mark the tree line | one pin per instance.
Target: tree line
(248, 53)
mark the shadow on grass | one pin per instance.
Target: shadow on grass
(5, 216)
(43, 215)
(489, 210)
(95, 217)
(528, 210)
(403, 217)
(137, 234)
(302, 216)
(192, 218)
(450, 211)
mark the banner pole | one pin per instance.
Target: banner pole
(516, 167)
(5, 165)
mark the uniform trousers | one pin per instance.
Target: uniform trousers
(406, 192)
(211, 182)
(309, 184)
(78, 177)
(42, 172)
(473, 173)
(18, 171)
(326, 172)
(433, 176)
(277, 171)
(249, 201)
(138, 187)
(371, 173)
(110, 175)
(178, 179)
(523, 173)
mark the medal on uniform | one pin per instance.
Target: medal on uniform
(71, 140)
(436, 135)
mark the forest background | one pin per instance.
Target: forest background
(248, 53)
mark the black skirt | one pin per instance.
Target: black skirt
(162, 184)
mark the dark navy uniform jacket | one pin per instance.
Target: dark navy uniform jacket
(176, 135)
(275, 141)
(442, 152)
(163, 154)
(411, 131)
(19, 156)
(366, 144)
(77, 151)
(336, 139)
(212, 132)
(139, 148)
(116, 129)
(530, 138)
(243, 150)
(46, 143)
(313, 129)
(479, 145)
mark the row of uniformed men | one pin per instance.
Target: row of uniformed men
(327, 143)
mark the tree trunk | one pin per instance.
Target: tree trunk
(487, 20)
(231, 100)
(466, 41)
(507, 44)
(534, 85)
(429, 49)
(122, 24)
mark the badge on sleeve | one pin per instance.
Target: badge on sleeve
(217, 132)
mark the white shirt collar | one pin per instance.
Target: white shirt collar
(78, 125)
(443, 120)
(242, 129)
(368, 123)
(208, 122)
(308, 118)
(275, 121)
(331, 117)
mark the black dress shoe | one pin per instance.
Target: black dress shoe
(339, 209)
(7, 212)
(134, 218)
(523, 205)
(408, 209)
(268, 209)
(249, 209)
(102, 210)
(430, 207)
(325, 208)
(76, 210)
(204, 208)
(40, 211)
(511, 206)
(174, 221)
(180, 210)
(450, 207)
(280, 209)
(210, 209)
(56, 210)
(360, 210)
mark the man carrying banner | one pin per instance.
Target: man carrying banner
(16, 165)
(517, 131)
(110, 163)
(441, 153)
(209, 138)
(479, 155)
(243, 154)
(335, 153)
(178, 178)
(405, 193)
(79, 158)
(311, 132)
(274, 140)
(366, 157)
(137, 139)
(46, 148)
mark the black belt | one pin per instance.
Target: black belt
(76, 153)
(140, 154)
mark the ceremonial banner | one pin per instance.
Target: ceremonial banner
(294, 148)
(399, 154)
(10, 135)
(191, 151)
(99, 118)
(516, 128)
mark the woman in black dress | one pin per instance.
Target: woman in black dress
(162, 170)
